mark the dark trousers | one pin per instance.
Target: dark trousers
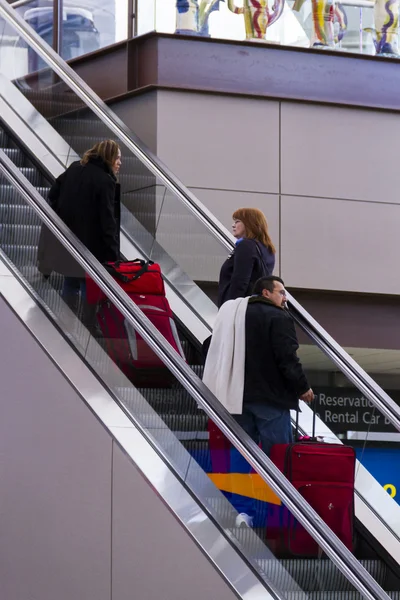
(71, 289)
(267, 425)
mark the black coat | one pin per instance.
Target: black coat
(87, 199)
(273, 372)
(242, 269)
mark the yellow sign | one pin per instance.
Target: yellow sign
(250, 485)
(391, 489)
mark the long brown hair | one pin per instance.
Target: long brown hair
(256, 226)
(107, 150)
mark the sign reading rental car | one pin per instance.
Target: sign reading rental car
(345, 409)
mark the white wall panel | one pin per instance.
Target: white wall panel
(336, 152)
(220, 142)
(140, 115)
(340, 245)
(55, 492)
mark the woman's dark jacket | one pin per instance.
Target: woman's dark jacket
(242, 269)
(87, 199)
(273, 372)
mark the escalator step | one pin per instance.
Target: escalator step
(190, 425)
(313, 575)
(10, 194)
(21, 255)
(20, 234)
(324, 595)
(198, 369)
(196, 445)
(18, 158)
(33, 175)
(171, 401)
(17, 213)
(4, 139)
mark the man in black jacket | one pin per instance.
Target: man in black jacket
(274, 378)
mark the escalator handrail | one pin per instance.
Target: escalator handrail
(332, 546)
(339, 356)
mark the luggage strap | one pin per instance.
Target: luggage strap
(261, 259)
(113, 269)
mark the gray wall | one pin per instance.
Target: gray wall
(78, 521)
(326, 177)
(139, 113)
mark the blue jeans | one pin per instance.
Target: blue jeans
(71, 288)
(266, 424)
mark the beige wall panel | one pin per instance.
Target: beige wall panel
(222, 204)
(340, 153)
(139, 113)
(328, 244)
(153, 556)
(220, 142)
(55, 494)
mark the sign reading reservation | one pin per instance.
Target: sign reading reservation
(345, 409)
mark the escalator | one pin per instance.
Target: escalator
(151, 211)
(171, 421)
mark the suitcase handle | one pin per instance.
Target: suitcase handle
(313, 422)
(118, 263)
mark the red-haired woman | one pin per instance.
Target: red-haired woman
(252, 258)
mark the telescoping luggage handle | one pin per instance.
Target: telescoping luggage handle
(313, 422)
(113, 269)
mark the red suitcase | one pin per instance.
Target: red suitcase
(127, 348)
(324, 476)
(134, 276)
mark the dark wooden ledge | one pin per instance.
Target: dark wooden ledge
(242, 68)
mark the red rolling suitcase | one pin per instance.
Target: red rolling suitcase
(127, 348)
(324, 476)
(143, 283)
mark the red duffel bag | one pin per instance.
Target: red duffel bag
(134, 276)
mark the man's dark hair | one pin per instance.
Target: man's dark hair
(266, 283)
